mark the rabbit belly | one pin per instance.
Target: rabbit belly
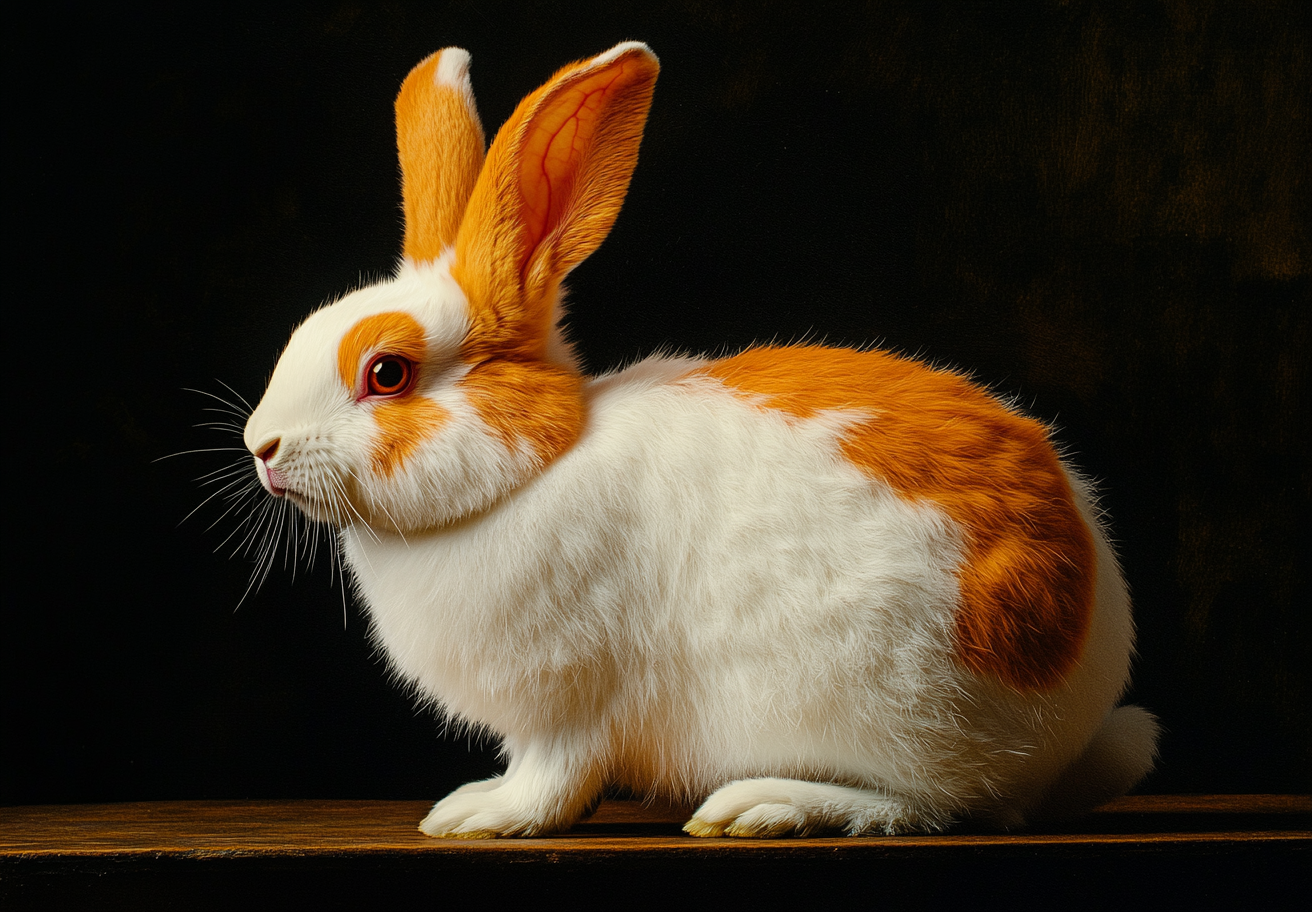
(702, 590)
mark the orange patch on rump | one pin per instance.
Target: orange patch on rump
(530, 401)
(1027, 581)
(407, 420)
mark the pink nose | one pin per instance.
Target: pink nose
(270, 477)
(270, 450)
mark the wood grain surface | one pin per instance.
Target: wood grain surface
(304, 828)
(1195, 852)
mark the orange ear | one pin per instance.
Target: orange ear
(440, 143)
(555, 179)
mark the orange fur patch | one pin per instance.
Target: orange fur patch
(440, 143)
(549, 192)
(538, 403)
(393, 332)
(1027, 581)
(404, 423)
(408, 420)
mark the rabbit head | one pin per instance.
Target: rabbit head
(416, 401)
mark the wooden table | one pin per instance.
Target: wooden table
(1237, 851)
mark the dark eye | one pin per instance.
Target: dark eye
(388, 375)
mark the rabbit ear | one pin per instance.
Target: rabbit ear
(440, 143)
(554, 181)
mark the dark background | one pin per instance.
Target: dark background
(1102, 209)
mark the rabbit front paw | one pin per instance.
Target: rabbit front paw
(470, 814)
(503, 806)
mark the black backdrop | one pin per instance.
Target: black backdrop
(1102, 209)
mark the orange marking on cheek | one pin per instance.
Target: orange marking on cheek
(1027, 583)
(394, 332)
(403, 425)
(530, 401)
(406, 421)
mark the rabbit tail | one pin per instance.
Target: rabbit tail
(1120, 755)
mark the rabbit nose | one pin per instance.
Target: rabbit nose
(268, 451)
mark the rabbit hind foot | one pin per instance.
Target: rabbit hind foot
(765, 808)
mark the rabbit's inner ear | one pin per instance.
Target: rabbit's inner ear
(439, 140)
(553, 167)
(553, 184)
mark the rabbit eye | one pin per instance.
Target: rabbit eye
(388, 375)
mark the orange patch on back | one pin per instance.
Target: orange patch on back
(540, 404)
(1027, 582)
(405, 421)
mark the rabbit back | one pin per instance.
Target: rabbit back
(712, 588)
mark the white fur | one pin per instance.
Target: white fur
(723, 598)
(453, 70)
(699, 591)
(701, 597)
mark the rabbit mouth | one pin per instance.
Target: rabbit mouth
(304, 502)
(314, 508)
(276, 483)
(273, 480)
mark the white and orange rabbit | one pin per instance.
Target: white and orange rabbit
(819, 588)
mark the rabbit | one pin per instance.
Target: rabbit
(815, 589)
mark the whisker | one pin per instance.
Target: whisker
(228, 407)
(256, 580)
(202, 450)
(217, 398)
(272, 552)
(234, 411)
(309, 540)
(363, 553)
(335, 560)
(269, 547)
(228, 486)
(242, 498)
(255, 521)
(291, 545)
(344, 499)
(395, 525)
(240, 467)
(336, 551)
(375, 503)
(249, 408)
